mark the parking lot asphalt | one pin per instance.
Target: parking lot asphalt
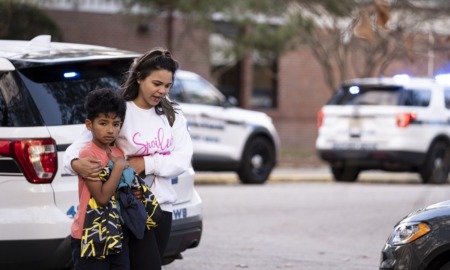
(307, 174)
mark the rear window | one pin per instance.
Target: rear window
(16, 106)
(59, 90)
(384, 95)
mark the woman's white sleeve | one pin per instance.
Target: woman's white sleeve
(180, 159)
(73, 151)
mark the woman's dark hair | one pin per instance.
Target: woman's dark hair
(104, 100)
(156, 59)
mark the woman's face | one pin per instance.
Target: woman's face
(153, 88)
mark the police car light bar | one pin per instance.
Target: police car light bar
(401, 78)
(443, 78)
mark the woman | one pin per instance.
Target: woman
(153, 145)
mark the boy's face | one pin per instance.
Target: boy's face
(104, 128)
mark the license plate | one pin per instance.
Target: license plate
(355, 146)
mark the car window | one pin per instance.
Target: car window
(380, 95)
(59, 90)
(16, 107)
(447, 98)
(420, 98)
(176, 91)
(199, 91)
(4, 122)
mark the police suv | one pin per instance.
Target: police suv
(42, 90)
(225, 138)
(392, 124)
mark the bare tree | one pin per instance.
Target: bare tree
(365, 37)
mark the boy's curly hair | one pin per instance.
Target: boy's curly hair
(104, 100)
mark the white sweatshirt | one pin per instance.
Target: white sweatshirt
(167, 150)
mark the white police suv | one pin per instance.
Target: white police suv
(42, 90)
(225, 138)
(392, 124)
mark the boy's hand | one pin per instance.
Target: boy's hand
(118, 161)
(138, 193)
(137, 163)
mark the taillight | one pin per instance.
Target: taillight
(36, 157)
(319, 118)
(405, 118)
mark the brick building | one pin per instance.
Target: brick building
(301, 90)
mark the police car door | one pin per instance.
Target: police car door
(201, 104)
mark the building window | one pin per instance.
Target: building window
(227, 73)
(264, 83)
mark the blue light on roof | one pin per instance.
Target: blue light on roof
(71, 74)
(354, 90)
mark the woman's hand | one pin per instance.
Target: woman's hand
(89, 168)
(137, 163)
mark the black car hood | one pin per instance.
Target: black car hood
(434, 211)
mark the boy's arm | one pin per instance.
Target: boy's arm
(103, 191)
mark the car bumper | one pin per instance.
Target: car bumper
(45, 254)
(378, 159)
(184, 235)
(401, 258)
(33, 231)
(187, 227)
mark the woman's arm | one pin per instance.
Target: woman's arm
(87, 167)
(175, 163)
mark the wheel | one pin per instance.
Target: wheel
(257, 161)
(446, 266)
(436, 167)
(345, 173)
(440, 263)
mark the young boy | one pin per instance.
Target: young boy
(101, 244)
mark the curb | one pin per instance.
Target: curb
(309, 174)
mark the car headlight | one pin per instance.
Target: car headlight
(408, 232)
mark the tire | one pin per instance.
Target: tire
(440, 263)
(436, 167)
(446, 266)
(345, 173)
(257, 161)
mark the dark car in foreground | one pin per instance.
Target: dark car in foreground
(420, 241)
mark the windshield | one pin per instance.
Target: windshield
(196, 91)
